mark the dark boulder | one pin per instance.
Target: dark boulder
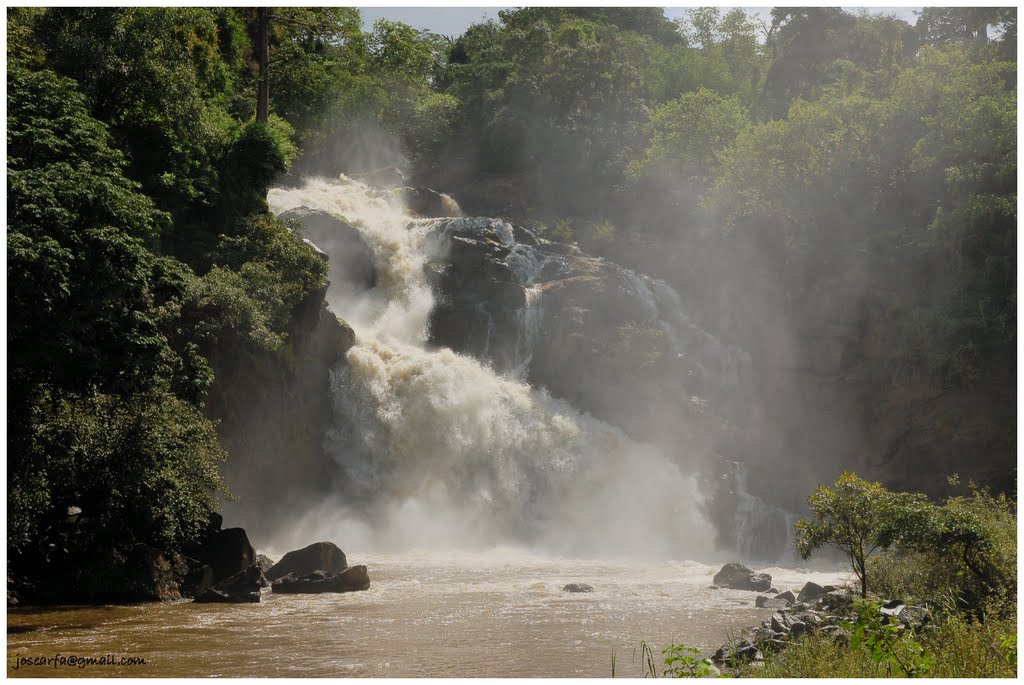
(740, 577)
(244, 587)
(578, 587)
(430, 203)
(264, 562)
(320, 556)
(151, 574)
(227, 552)
(349, 255)
(198, 580)
(352, 579)
(762, 602)
(812, 592)
(787, 596)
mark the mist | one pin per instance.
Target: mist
(750, 334)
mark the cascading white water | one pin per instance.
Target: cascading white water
(439, 449)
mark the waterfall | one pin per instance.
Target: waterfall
(439, 449)
(762, 532)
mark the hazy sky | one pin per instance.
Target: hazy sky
(452, 21)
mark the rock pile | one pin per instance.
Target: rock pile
(830, 612)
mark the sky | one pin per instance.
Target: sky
(453, 21)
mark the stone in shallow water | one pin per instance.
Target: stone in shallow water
(320, 556)
(741, 577)
(350, 580)
(578, 587)
(243, 587)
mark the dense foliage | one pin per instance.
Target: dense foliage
(139, 248)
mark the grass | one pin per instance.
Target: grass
(959, 649)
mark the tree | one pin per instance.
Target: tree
(263, 50)
(857, 517)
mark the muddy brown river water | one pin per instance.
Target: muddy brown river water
(501, 613)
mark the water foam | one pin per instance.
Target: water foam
(439, 449)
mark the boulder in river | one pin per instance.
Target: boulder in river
(264, 562)
(812, 591)
(787, 596)
(430, 203)
(244, 587)
(578, 587)
(320, 556)
(740, 577)
(227, 552)
(350, 580)
(198, 580)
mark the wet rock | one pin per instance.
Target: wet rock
(578, 587)
(713, 587)
(244, 587)
(812, 591)
(740, 577)
(430, 203)
(349, 255)
(352, 579)
(320, 556)
(198, 580)
(264, 562)
(227, 552)
(788, 596)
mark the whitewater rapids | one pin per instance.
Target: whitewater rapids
(439, 449)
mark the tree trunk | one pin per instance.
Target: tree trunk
(263, 48)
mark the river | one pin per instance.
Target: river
(500, 613)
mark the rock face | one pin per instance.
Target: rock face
(264, 562)
(430, 203)
(320, 556)
(153, 574)
(353, 579)
(578, 587)
(198, 580)
(740, 577)
(244, 587)
(226, 552)
(272, 408)
(348, 253)
(579, 325)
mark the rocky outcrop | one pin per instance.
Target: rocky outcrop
(578, 587)
(580, 326)
(811, 592)
(272, 409)
(243, 587)
(429, 203)
(198, 580)
(320, 556)
(226, 551)
(349, 255)
(740, 577)
(264, 562)
(353, 579)
(829, 614)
